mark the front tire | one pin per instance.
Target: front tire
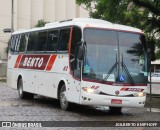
(21, 93)
(64, 104)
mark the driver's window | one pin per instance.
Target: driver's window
(74, 62)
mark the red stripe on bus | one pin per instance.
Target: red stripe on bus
(51, 62)
(17, 61)
(34, 62)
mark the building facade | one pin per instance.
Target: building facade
(28, 12)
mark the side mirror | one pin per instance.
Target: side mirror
(81, 51)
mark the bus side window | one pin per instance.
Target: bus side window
(64, 39)
(17, 42)
(42, 41)
(12, 43)
(32, 39)
(74, 61)
(23, 42)
(52, 40)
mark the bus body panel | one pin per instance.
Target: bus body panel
(44, 75)
(106, 100)
(106, 93)
(44, 82)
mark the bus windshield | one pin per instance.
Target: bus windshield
(115, 56)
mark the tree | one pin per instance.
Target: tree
(143, 14)
(153, 6)
(126, 11)
(41, 23)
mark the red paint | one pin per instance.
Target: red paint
(17, 61)
(116, 101)
(51, 62)
(132, 89)
(37, 62)
(95, 87)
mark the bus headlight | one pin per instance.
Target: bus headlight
(141, 94)
(90, 90)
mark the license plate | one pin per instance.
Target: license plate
(116, 101)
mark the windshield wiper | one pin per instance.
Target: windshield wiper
(111, 70)
(123, 66)
(127, 71)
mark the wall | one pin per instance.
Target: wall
(28, 12)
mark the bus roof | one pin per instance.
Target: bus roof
(84, 22)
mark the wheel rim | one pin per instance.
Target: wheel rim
(63, 99)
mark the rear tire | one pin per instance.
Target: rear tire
(115, 109)
(21, 93)
(64, 104)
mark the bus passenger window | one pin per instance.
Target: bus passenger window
(17, 42)
(23, 42)
(32, 41)
(42, 41)
(64, 39)
(52, 40)
(12, 43)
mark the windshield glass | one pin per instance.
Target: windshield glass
(115, 56)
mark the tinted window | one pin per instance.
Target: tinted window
(115, 56)
(12, 44)
(132, 55)
(42, 41)
(102, 52)
(64, 39)
(32, 41)
(23, 42)
(17, 42)
(75, 64)
(52, 40)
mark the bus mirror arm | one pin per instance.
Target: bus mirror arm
(79, 53)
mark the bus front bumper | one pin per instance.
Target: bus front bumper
(117, 101)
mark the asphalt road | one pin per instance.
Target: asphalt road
(45, 109)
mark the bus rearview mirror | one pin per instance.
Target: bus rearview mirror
(80, 52)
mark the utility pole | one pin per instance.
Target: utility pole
(12, 16)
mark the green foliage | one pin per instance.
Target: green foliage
(143, 14)
(157, 52)
(41, 23)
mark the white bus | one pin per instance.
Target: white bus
(83, 61)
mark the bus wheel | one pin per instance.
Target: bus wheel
(115, 109)
(64, 104)
(21, 93)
